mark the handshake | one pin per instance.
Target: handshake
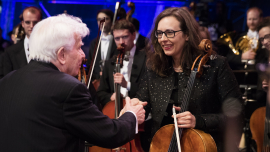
(136, 106)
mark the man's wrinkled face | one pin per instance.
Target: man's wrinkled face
(74, 58)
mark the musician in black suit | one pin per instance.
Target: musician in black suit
(254, 17)
(139, 39)
(172, 50)
(17, 56)
(44, 108)
(132, 70)
(107, 46)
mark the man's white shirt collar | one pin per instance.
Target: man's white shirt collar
(26, 48)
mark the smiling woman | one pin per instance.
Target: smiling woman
(172, 50)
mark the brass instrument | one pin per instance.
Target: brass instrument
(244, 43)
(227, 40)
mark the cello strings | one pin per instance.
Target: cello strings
(184, 106)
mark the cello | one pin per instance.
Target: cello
(192, 140)
(260, 128)
(112, 109)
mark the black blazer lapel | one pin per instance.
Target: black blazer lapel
(21, 57)
(138, 64)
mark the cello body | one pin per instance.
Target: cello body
(257, 121)
(192, 140)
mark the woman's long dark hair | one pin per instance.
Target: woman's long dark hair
(157, 60)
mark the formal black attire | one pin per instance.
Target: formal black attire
(106, 88)
(209, 93)
(43, 109)
(111, 52)
(140, 44)
(1, 62)
(14, 57)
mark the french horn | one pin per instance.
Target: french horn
(244, 43)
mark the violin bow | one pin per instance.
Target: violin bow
(115, 12)
(96, 52)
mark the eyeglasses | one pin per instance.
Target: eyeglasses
(266, 37)
(168, 33)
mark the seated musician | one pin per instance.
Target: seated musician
(107, 46)
(44, 108)
(264, 39)
(133, 65)
(171, 52)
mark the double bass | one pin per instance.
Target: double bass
(192, 140)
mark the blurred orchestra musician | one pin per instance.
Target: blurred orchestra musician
(248, 50)
(107, 45)
(139, 39)
(264, 39)
(17, 33)
(133, 65)
(243, 53)
(17, 56)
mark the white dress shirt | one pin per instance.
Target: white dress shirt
(105, 41)
(26, 48)
(254, 36)
(126, 71)
(136, 38)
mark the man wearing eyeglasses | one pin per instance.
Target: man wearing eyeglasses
(17, 55)
(264, 38)
(133, 65)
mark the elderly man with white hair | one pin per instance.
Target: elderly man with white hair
(44, 108)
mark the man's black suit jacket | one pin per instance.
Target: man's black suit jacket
(140, 44)
(14, 58)
(106, 88)
(43, 109)
(1, 62)
(97, 69)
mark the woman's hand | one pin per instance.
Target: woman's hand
(185, 119)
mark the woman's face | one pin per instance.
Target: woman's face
(171, 46)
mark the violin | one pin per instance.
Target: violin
(190, 139)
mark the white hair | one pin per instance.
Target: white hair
(52, 33)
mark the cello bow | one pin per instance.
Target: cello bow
(93, 61)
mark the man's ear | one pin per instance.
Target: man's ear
(61, 57)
